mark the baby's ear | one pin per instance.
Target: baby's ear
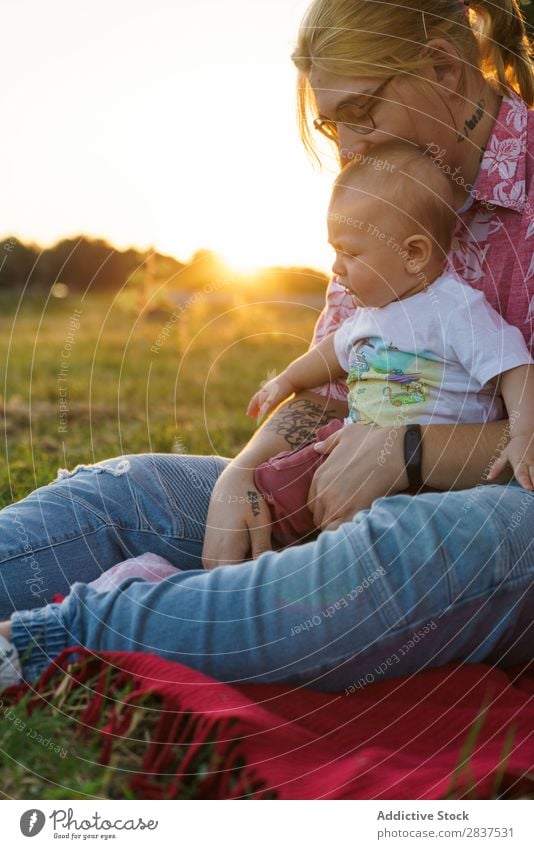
(418, 252)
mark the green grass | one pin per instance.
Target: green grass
(124, 398)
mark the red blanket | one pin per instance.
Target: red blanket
(463, 730)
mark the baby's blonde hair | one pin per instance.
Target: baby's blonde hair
(378, 38)
(412, 185)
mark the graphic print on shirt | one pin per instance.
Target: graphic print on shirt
(412, 393)
(381, 379)
(358, 364)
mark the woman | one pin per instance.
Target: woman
(455, 568)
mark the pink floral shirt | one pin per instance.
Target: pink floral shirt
(493, 244)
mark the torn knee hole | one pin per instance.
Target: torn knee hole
(116, 469)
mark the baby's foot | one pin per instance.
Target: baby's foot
(10, 671)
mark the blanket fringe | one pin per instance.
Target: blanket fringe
(165, 731)
(186, 755)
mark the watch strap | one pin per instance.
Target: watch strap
(413, 455)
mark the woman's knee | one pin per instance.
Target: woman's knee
(144, 491)
(181, 485)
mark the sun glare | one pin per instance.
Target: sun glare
(214, 167)
(243, 268)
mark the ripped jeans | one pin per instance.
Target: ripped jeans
(413, 582)
(95, 516)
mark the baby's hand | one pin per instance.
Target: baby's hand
(520, 454)
(272, 393)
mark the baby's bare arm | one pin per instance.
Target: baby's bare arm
(517, 389)
(317, 367)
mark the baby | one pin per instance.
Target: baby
(422, 347)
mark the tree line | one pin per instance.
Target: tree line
(82, 265)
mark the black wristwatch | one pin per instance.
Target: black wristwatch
(413, 455)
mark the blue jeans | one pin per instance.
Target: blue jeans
(411, 583)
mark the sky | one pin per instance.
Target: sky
(161, 123)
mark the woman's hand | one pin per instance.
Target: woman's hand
(238, 525)
(363, 463)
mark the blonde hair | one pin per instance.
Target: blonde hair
(406, 177)
(339, 36)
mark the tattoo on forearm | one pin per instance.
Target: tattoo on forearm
(298, 421)
(252, 498)
(471, 123)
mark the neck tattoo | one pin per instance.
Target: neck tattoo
(472, 122)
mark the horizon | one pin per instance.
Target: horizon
(148, 252)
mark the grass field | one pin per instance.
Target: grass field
(81, 383)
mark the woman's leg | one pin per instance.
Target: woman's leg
(88, 520)
(413, 582)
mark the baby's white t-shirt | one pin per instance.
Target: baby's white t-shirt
(430, 358)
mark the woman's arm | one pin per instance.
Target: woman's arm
(367, 463)
(459, 456)
(238, 521)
